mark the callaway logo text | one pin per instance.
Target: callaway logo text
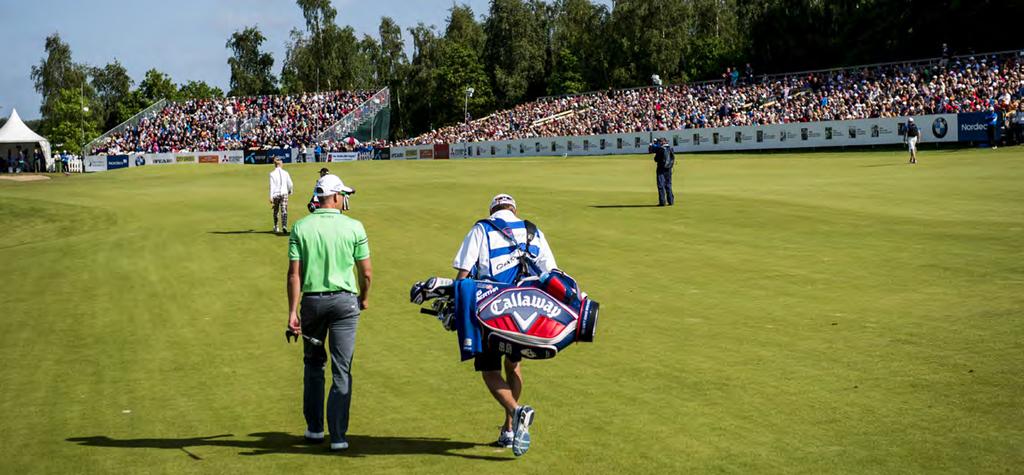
(548, 306)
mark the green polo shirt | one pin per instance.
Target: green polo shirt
(328, 244)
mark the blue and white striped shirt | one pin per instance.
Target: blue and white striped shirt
(489, 252)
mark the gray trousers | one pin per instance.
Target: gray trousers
(331, 319)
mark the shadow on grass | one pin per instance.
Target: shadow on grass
(247, 231)
(266, 443)
(623, 206)
(885, 165)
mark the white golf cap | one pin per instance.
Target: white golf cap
(328, 185)
(911, 119)
(502, 199)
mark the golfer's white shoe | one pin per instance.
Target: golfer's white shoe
(314, 436)
(339, 445)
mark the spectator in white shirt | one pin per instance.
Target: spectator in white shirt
(280, 188)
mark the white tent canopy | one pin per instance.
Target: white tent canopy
(15, 133)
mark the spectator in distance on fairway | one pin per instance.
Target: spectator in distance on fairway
(489, 253)
(280, 188)
(665, 158)
(323, 249)
(912, 136)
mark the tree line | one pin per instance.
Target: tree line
(523, 49)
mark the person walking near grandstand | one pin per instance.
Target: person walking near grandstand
(280, 188)
(323, 249)
(665, 158)
(992, 124)
(913, 135)
(504, 248)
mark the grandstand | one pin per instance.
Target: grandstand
(932, 86)
(235, 123)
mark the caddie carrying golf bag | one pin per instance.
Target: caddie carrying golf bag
(537, 317)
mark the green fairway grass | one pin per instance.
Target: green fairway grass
(804, 313)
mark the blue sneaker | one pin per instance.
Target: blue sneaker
(521, 420)
(505, 439)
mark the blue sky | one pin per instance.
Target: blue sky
(183, 38)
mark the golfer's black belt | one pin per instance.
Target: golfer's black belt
(325, 294)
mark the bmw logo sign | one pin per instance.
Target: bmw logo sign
(939, 128)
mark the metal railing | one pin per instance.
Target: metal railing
(351, 121)
(229, 127)
(132, 121)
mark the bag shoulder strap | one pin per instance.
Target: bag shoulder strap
(501, 226)
(531, 232)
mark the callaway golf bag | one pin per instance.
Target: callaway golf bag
(537, 317)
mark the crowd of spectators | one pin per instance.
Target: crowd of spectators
(949, 85)
(235, 123)
(23, 160)
(32, 160)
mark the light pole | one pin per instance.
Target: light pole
(656, 81)
(81, 121)
(465, 109)
(373, 121)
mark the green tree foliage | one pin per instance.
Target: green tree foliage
(459, 68)
(567, 77)
(317, 50)
(298, 62)
(57, 72)
(364, 63)
(113, 93)
(251, 69)
(464, 29)
(392, 65)
(199, 90)
(71, 124)
(579, 55)
(327, 56)
(515, 49)
(446, 66)
(392, 52)
(418, 108)
(157, 85)
(650, 37)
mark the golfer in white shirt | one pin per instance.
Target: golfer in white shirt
(280, 188)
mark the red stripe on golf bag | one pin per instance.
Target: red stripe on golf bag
(555, 288)
(546, 328)
(503, 322)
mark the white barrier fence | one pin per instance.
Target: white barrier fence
(825, 134)
(797, 135)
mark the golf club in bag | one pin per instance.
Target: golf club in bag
(536, 318)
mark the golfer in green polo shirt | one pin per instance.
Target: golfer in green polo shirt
(323, 249)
